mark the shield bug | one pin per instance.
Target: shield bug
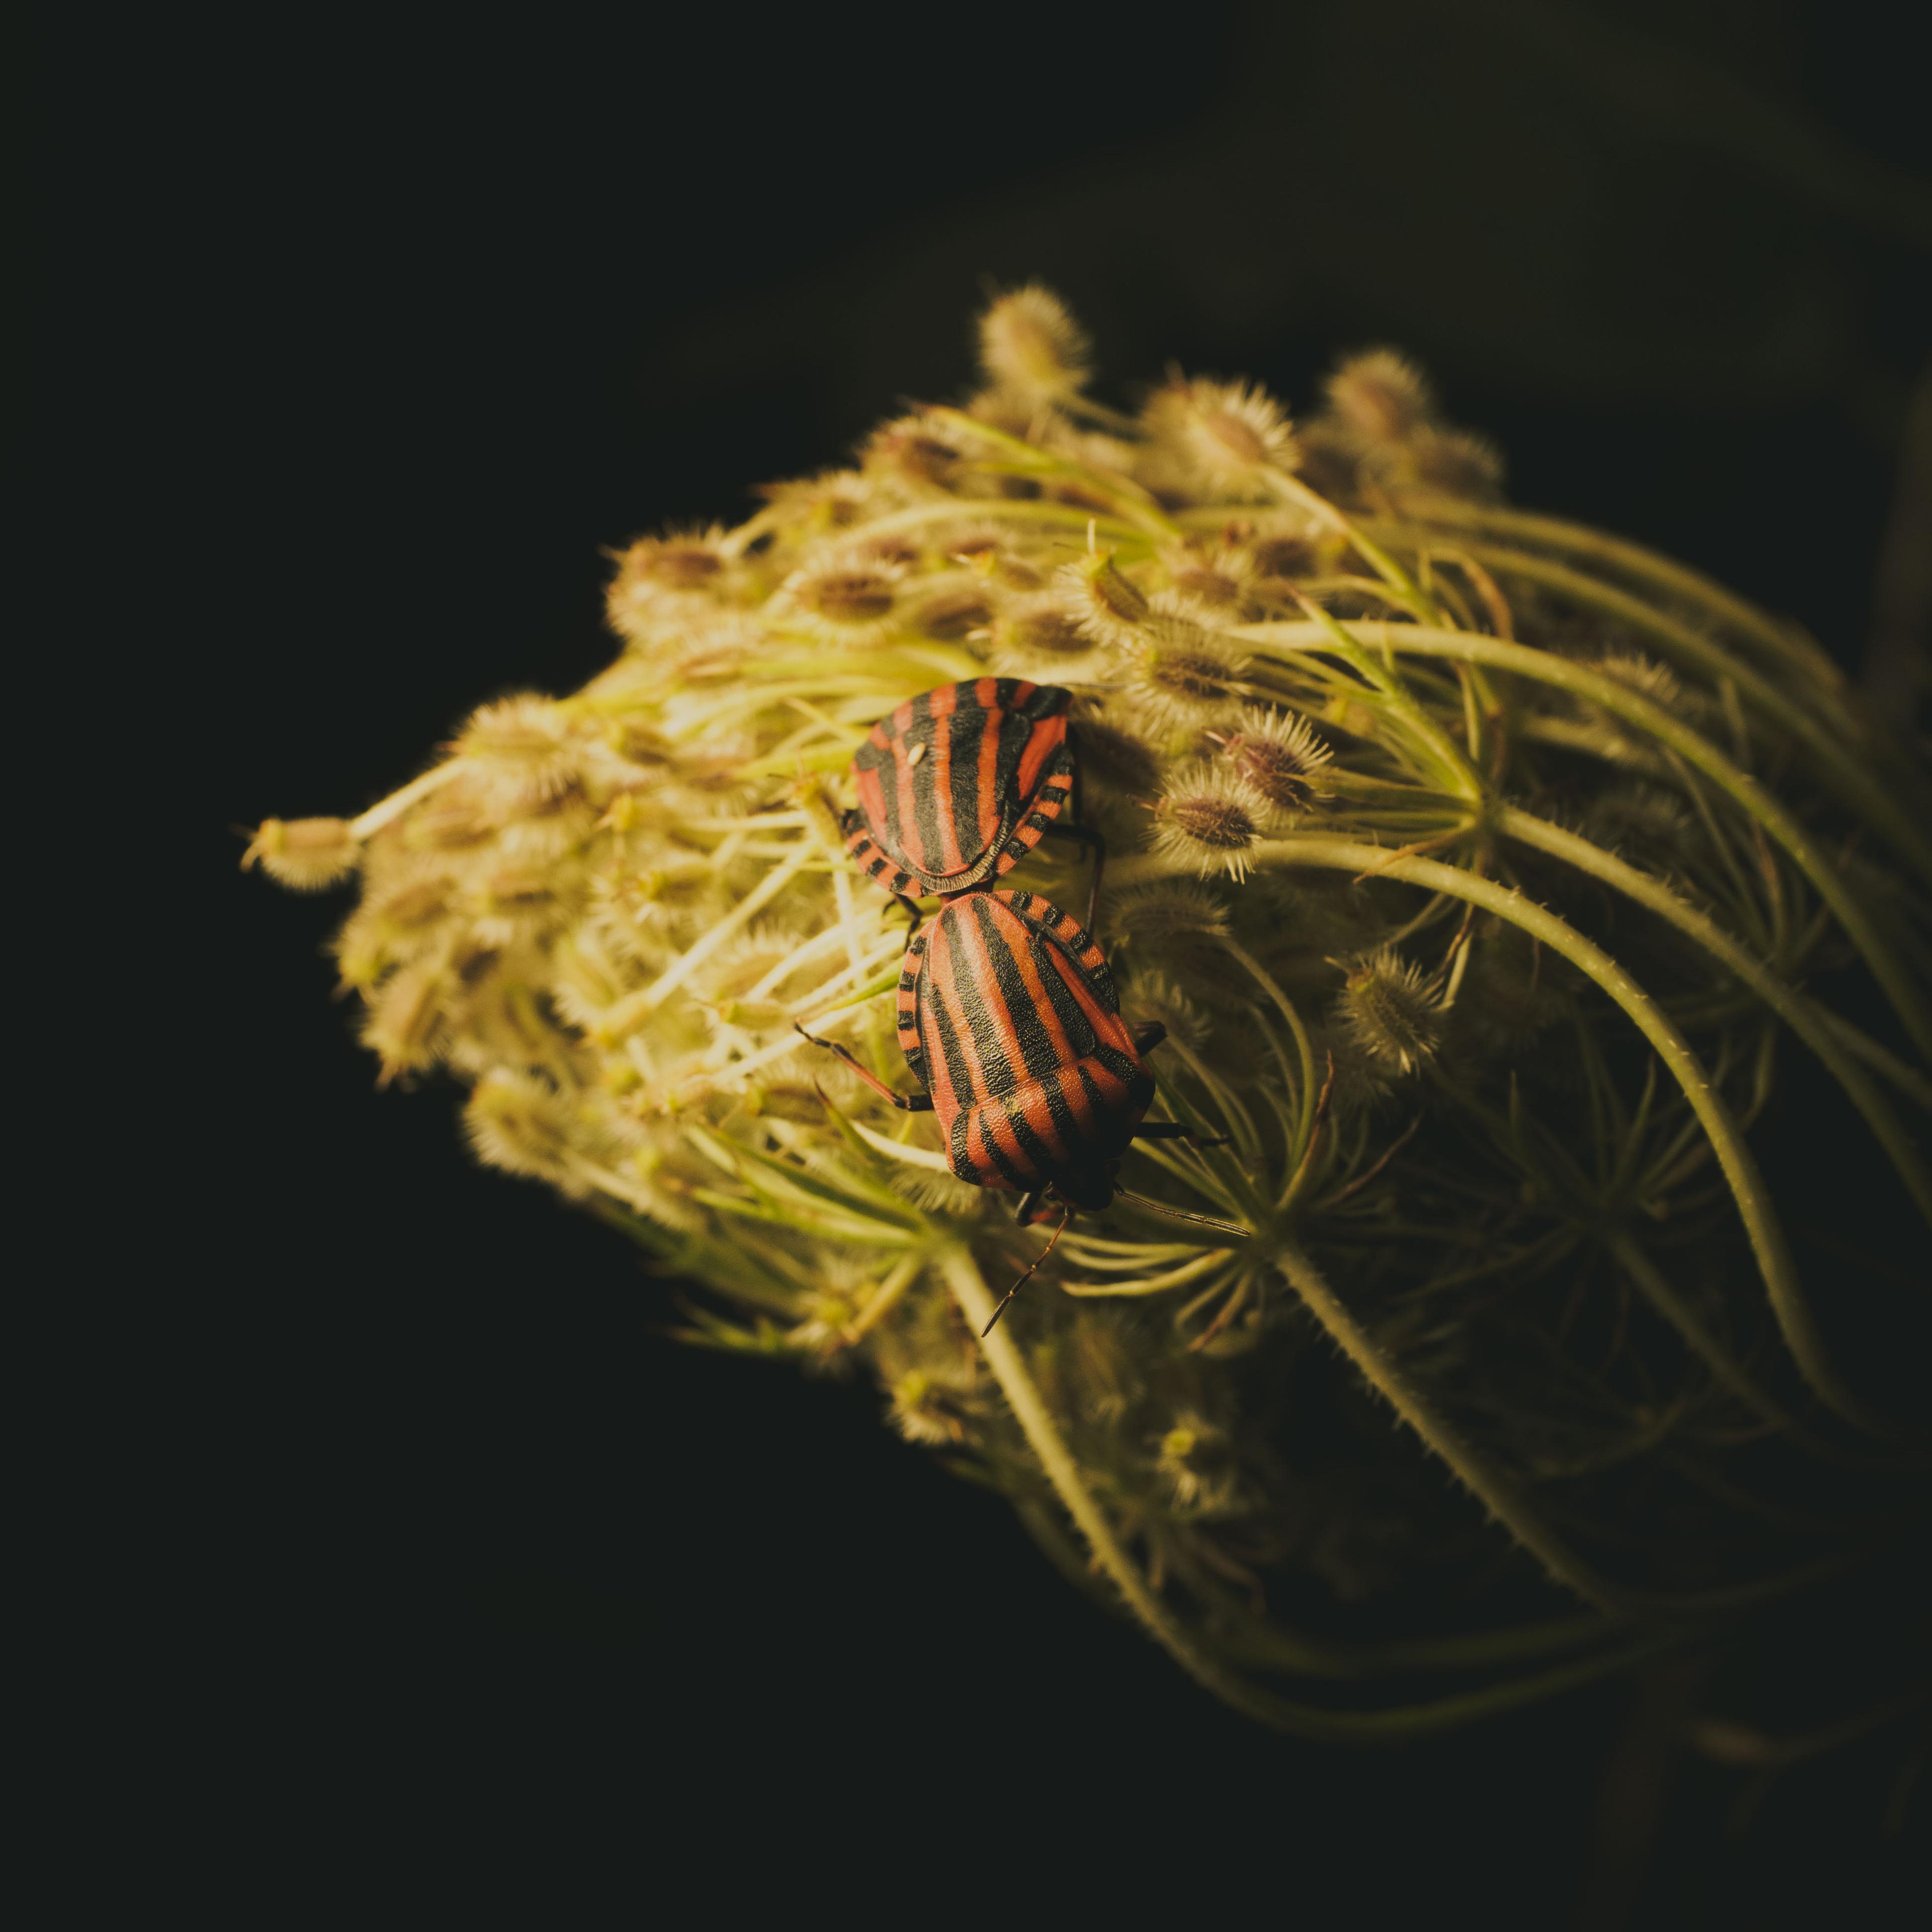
(1008, 1018)
(959, 783)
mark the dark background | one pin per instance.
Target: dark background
(412, 1519)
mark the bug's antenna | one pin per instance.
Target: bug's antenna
(1022, 1282)
(1178, 1214)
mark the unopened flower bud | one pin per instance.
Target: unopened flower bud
(1380, 395)
(846, 600)
(1390, 1012)
(1185, 674)
(521, 750)
(517, 1122)
(1031, 347)
(1108, 608)
(1210, 817)
(1280, 757)
(1220, 438)
(306, 854)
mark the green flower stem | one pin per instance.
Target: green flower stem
(632, 1011)
(1130, 501)
(1273, 1646)
(1789, 647)
(1490, 1487)
(1650, 1283)
(392, 807)
(1309, 1096)
(1291, 489)
(1801, 1014)
(1448, 767)
(1620, 701)
(1912, 1084)
(1073, 517)
(1794, 1318)
(976, 1304)
(1850, 768)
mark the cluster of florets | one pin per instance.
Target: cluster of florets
(608, 914)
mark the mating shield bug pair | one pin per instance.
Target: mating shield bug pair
(1007, 1011)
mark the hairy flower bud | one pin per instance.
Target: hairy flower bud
(1184, 673)
(1388, 1008)
(1279, 754)
(1210, 817)
(1109, 608)
(518, 1123)
(1381, 395)
(304, 854)
(848, 599)
(1031, 347)
(1219, 439)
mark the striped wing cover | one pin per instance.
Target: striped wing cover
(957, 785)
(1007, 1013)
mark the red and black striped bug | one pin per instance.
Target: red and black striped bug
(959, 785)
(1008, 1016)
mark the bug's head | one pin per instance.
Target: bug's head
(1087, 1189)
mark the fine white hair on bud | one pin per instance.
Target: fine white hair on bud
(1167, 909)
(660, 579)
(307, 855)
(1390, 1012)
(1218, 578)
(1381, 396)
(1454, 463)
(407, 1023)
(1218, 439)
(914, 456)
(1032, 348)
(1182, 672)
(847, 599)
(522, 751)
(1211, 818)
(519, 1122)
(1038, 633)
(1279, 754)
(1108, 606)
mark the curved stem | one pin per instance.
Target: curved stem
(1130, 502)
(1795, 1319)
(1496, 1493)
(975, 1303)
(1291, 489)
(1650, 1284)
(1847, 766)
(1791, 646)
(1803, 1018)
(387, 811)
(1449, 768)
(1620, 701)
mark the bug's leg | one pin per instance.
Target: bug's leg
(1147, 1035)
(1099, 845)
(912, 909)
(1172, 1130)
(1026, 1209)
(1085, 834)
(1026, 1275)
(906, 1103)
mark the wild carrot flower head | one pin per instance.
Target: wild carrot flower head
(1477, 938)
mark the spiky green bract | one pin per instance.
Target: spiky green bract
(1496, 883)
